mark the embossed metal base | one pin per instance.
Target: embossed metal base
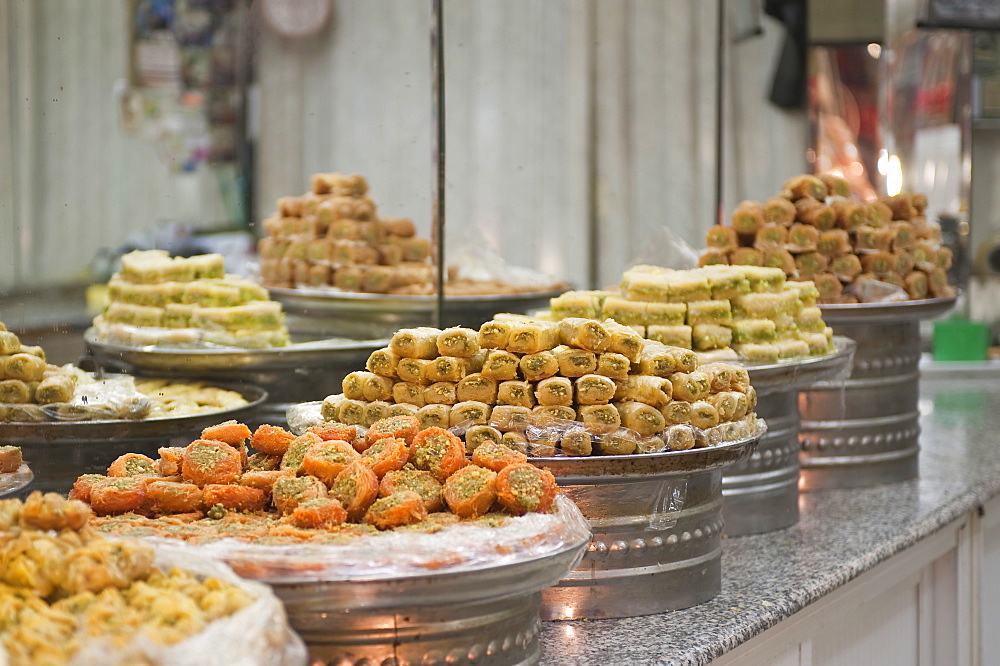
(865, 430)
(657, 523)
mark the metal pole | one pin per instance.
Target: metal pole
(438, 150)
(720, 73)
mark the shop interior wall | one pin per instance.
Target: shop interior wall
(559, 113)
(73, 181)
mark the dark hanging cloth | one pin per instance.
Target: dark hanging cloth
(788, 89)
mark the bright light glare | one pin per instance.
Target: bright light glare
(894, 176)
(883, 161)
(874, 50)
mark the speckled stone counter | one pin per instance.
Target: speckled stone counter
(841, 534)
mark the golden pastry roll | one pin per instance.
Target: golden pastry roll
(25, 367)
(352, 412)
(531, 337)
(800, 187)
(494, 334)
(873, 239)
(434, 415)
(726, 404)
(720, 376)
(770, 237)
(713, 258)
(477, 360)
(709, 312)
(383, 362)
(904, 262)
(919, 201)
(577, 442)
(924, 255)
(343, 230)
(640, 417)
(623, 340)
(348, 278)
(353, 385)
(815, 213)
(676, 411)
(757, 352)
(410, 393)
(846, 267)
(833, 242)
(651, 444)
(480, 434)
(510, 417)
(937, 283)
(828, 285)
(478, 387)
(318, 250)
(660, 360)
(377, 279)
(415, 342)
(600, 417)
(516, 393)
(554, 412)
(575, 362)
(501, 365)
(655, 391)
(780, 258)
(802, 238)
(679, 437)
(850, 214)
(554, 391)
(34, 350)
(440, 393)
(900, 205)
(55, 388)
(330, 407)
(837, 186)
(413, 370)
(721, 238)
(879, 263)
(931, 232)
(779, 210)
(470, 412)
(617, 443)
(291, 206)
(458, 341)
(916, 284)
(402, 409)
(516, 441)
(690, 386)
(377, 387)
(319, 275)
(610, 364)
(877, 214)
(904, 236)
(389, 255)
(748, 216)
(542, 442)
(594, 389)
(398, 226)
(584, 333)
(674, 336)
(14, 392)
(944, 258)
(535, 367)
(746, 256)
(446, 369)
(375, 411)
(415, 249)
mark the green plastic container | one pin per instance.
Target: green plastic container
(958, 339)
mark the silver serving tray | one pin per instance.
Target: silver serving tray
(795, 373)
(886, 313)
(570, 470)
(192, 361)
(86, 432)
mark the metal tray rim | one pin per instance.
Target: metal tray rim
(840, 313)
(804, 371)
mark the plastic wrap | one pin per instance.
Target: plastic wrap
(188, 338)
(115, 398)
(400, 553)
(875, 291)
(14, 481)
(257, 635)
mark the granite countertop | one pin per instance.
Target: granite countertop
(841, 534)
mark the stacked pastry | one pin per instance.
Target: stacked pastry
(580, 386)
(813, 230)
(156, 299)
(26, 380)
(333, 236)
(750, 309)
(64, 588)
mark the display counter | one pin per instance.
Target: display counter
(890, 573)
